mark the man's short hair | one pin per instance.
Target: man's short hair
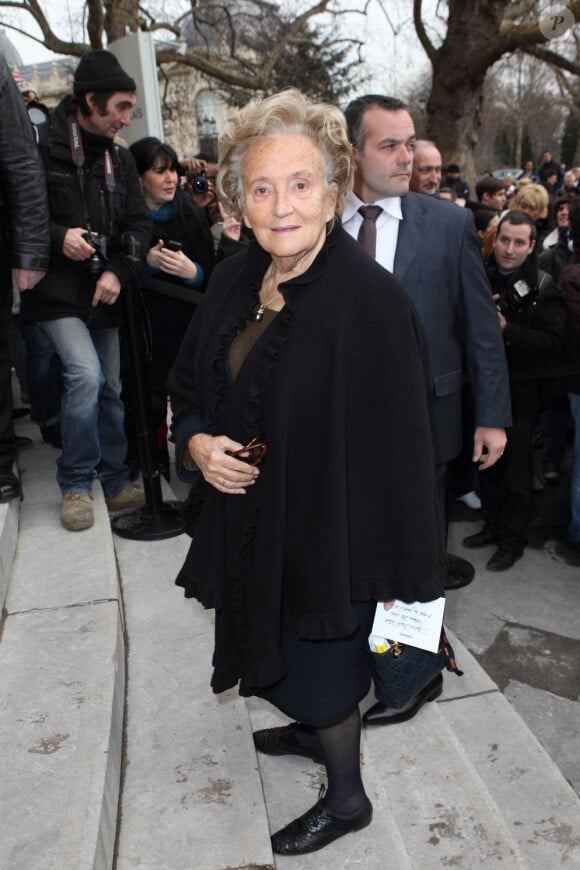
(356, 108)
(489, 185)
(453, 168)
(519, 219)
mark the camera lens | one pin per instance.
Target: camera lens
(199, 183)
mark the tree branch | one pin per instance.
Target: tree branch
(516, 10)
(428, 46)
(213, 68)
(553, 59)
(512, 37)
(274, 55)
(50, 40)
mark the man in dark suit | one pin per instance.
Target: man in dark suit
(432, 247)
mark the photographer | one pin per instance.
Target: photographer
(532, 316)
(99, 228)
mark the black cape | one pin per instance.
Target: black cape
(344, 508)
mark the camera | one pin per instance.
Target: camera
(97, 261)
(513, 298)
(199, 182)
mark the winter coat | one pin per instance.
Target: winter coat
(343, 509)
(169, 317)
(68, 288)
(535, 331)
(24, 239)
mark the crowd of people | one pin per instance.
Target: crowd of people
(527, 236)
(362, 349)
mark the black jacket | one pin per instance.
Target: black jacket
(169, 317)
(553, 260)
(68, 288)
(24, 239)
(343, 509)
(535, 330)
(570, 283)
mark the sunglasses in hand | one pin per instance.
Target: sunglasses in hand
(255, 451)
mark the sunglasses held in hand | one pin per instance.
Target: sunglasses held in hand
(255, 450)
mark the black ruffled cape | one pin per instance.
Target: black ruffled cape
(344, 508)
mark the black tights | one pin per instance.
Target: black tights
(341, 751)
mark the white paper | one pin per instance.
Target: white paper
(418, 624)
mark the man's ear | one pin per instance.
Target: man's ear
(532, 245)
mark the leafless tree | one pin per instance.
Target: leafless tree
(473, 36)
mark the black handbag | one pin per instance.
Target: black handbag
(402, 671)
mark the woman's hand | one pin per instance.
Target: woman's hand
(172, 262)
(153, 255)
(225, 473)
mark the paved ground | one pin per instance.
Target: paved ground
(523, 625)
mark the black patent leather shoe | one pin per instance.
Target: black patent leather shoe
(9, 487)
(293, 739)
(459, 572)
(317, 828)
(503, 559)
(379, 714)
(480, 539)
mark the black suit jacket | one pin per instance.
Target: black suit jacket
(438, 259)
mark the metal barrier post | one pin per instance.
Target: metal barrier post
(158, 519)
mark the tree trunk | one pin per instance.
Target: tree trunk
(121, 17)
(459, 69)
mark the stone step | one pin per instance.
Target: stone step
(462, 784)
(192, 796)
(9, 513)
(62, 684)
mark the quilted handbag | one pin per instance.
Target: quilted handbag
(402, 671)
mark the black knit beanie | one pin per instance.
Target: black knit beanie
(101, 71)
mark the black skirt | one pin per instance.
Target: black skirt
(326, 679)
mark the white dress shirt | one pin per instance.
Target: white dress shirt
(387, 225)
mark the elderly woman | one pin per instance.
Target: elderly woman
(299, 399)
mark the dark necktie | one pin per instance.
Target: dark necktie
(367, 234)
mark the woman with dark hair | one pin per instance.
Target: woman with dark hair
(181, 253)
(486, 221)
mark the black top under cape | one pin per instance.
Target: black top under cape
(344, 507)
